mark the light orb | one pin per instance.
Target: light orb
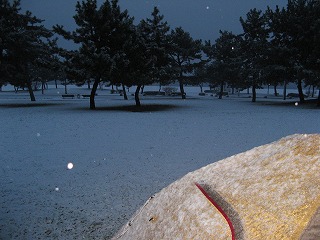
(70, 166)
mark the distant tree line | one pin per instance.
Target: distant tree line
(26, 48)
(276, 47)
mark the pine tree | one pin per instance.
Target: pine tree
(300, 39)
(25, 44)
(225, 65)
(255, 44)
(313, 60)
(143, 58)
(294, 45)
(279, 58)
(185, 54)
(101, 36)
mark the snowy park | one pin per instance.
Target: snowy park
(68, 172)
(108, 104)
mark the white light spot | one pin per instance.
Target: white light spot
(58, 92)
(207, 7)
(296, 104)
(56, 189)
(38, 134)
(70, 166)
(232, 48)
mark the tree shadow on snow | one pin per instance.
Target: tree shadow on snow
(142, 108)
(27, 105)
(308, 104)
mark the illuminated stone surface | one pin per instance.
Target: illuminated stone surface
(269, 192)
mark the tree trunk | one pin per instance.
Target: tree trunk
(65, 86)
(55, 82)
(93, 93)
(35, 85)
(299, 85)
(42, 87)
(32, 97)
(136, 96)
(183, 94)
(221, 90)
(201, 88)
(309, 91)
(124, 92)
(88, 82)
(313, 87)
(318, 103)
(285, 90)
(142, 89)
(254, 93)
(275, 90)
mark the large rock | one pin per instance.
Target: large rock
(269, 192)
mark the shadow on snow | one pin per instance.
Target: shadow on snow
(27, 105)
(142, 108)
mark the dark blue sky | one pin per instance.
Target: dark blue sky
(202, 18)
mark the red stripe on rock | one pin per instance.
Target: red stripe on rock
(219, 209)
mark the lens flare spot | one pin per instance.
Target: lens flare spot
(70, 166)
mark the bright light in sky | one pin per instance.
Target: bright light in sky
(70, 166)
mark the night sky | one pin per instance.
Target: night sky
(201, 18)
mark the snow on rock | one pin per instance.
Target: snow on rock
(269, 192)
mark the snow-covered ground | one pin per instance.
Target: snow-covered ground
(120, 158)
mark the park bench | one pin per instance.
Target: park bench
(210, 91)
(153, 93)
(226, 94)
(67, 95)
(294, 95)
(176, 94)
(112, 91)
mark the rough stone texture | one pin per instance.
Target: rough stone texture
(273, 191)
(313, 229)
